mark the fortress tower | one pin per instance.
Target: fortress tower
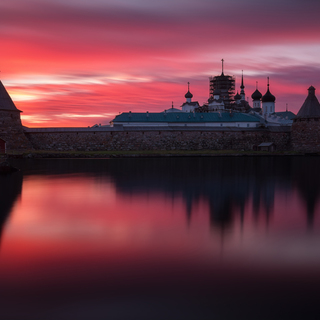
(305, 134)
(11, 130)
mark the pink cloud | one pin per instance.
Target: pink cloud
(143, 53)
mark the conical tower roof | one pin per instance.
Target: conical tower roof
(310, 107)
(6, 102)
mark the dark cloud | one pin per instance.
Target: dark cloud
(178, 25)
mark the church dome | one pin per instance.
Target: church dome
(268, 97)
(188, 95)
(256, 95)
(237, 96)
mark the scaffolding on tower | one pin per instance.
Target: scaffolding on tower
(226, 85)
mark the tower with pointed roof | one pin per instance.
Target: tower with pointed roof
(268, 102)
(11, 130)
(242, 94)
(305, 131)
(225, 84)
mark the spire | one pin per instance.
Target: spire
(188, 95)
(243, 96)
(222, 67)
(172, 105)
(242, 86)
(256, 85)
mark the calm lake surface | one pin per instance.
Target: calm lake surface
(176, 238)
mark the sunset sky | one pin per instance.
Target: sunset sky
(81, 62)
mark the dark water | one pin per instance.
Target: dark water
(176, 238)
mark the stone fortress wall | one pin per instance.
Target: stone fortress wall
(306, 135)
(112, 139)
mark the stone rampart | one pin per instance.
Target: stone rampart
(122, 139)
(11, 130)
(306, 135)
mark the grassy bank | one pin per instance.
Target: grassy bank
(147, 153)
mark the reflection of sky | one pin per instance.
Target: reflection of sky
(82, 56)
(75, 216)
(86, 234)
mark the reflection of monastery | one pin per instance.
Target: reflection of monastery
(224, 108)
(225, 122)
(228, 185)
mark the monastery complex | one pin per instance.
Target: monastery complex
(224, 108)
(225, 122)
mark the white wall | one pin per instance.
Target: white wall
(188, 108)
(256, 104)
(268, 107)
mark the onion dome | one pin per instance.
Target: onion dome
(237, 96)
(268, 97)
(188, 95)
(311, 106)
(256, 95)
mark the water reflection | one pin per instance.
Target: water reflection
(10, 190)
(228, 184)
(177, 238)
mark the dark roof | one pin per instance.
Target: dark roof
(186, 117)
(311, 106)
(6, 102)
(285, 114)
(256, 95)
(268, 97)
(188, 95)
